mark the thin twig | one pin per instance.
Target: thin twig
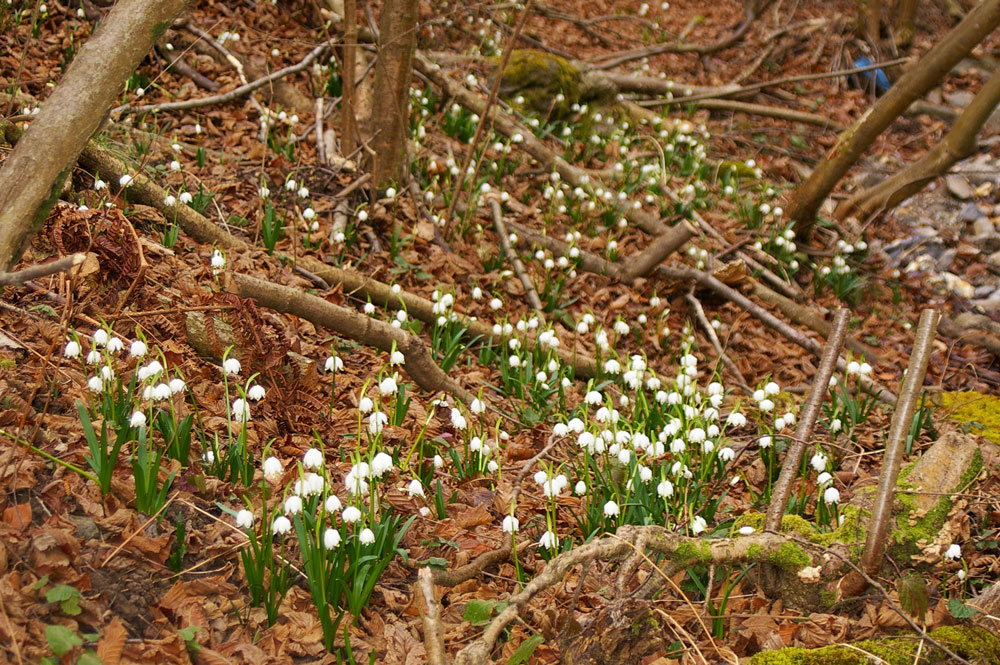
(699, 313)
(515, 261)
(64, 264)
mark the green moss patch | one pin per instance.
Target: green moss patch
(981, 413)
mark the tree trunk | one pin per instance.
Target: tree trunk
(870, 20)
(957, 144)
(913, 84)
(906, 14)
(33, 175)
(390, 113)
(348, 119)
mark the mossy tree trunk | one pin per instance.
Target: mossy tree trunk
(390, 113)
(957, 144)
(33, 175)
(916, 82)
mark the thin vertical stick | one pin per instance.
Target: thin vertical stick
(348, 120)
(913, 384)
(807, 419)
(484, 117)
(529, 288)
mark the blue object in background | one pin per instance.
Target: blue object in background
(881, 80)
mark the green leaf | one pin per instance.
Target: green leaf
(526, 649)
(960, 610)
(479, 611)
(913, 595)
(67, 597)
(89, 658)
(61, 639)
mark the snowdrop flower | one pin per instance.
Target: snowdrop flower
(580, 488)
(823, 478)
(367, 536)
(72, 349)
(611, 509)
(835, 425)
(312, 459)
(161, 391)
(293, 505)
(241, 410)
(101, 337)
(138, 419)
(387, 386)
(764, 442)
(765, 405)
(953, 552)
(831, 495)
(231, 366)
(334, 364)
(415, 488)
(185, 197)
(331, 538)
(272, 467)
(351, 514)
(94, 357)
(818, 462)
(698, 524)
(176, 385)
(438, 461)
(137, 349)
(244, 519)
(510, 524)
(396, 357)
(282, 525)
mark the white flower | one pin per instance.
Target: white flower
(415, 488)
(125, 180)
(94, 357)
(331, 538)
(293, 505)
(765, 405)
(72, 349)
(818, 462)
(333, 503)
(726, 454)
(161, 391)
(549, 540)
(244, 519)
(241, 409)
(100, 184)
(365, 404)
(95, 384)
(138, 419)
(611, 509)
(953, 552)
(496, 304)
(381, 463)
(351, 514)
(492, 466)
(835, 425)
(281, 525)
(388, 386)
(438, 461)
(477, 406)
(457, 419)
(831, 495)
(272, 467)
(772, 388)
(510, 524)
(231, 366)
(208, 457)
(746, 530)
(101, 337)
(390, 193)
(612, 366)
(176, 385)
(334, 363)
(853, 367)
(313, 458)
(137, 349)
(256, 392)
(396, 357)
(698, 524)
(865, 369)
(377, 421)
(367, 536)
(185, 197)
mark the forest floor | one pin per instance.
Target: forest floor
(136, 574)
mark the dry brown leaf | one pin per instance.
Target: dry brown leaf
(401, 647)
(109, 648)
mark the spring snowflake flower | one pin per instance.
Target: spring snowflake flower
(853, 367)
(396, 357)
(477, 406)
(612, 366)
(293, 505)
(698, 524)
(457, 419)
(176, 385)
(365, 404)
(369, 308)
(746, 530)
(281, 525)
(125, 180)
(313, 458)
(765, 441)
(510, 524)
(818, 462)
(415, 488)
(218, 260)
(272, 467)
(823, 479)
(438, 462)
(241, 409)
(331, 538)
(496, 304)
(772, 388)
(101, 337)
(831, 495)
(333, 504)
(611, 509)
(727, 454)
(138, 419)
(388, 386)
(334, 364)
(835, 425)
(161, 391)
(138, 349)
(244, 519)
(549, 540)
(367, 536)
(351, 514)
(94, 357)
(377, 421)
(95, 383)
(231, 366)
(72, 349)
(953, 552)
(381, 463)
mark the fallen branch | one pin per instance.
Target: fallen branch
(699, 313)
(807, 420)
(64, 264)
(431, 614)
(515, 262)
(233, 94)
(792, 115)
(364, 329)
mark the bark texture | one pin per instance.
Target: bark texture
(390, 113)
(916, 82)
(33, 175)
